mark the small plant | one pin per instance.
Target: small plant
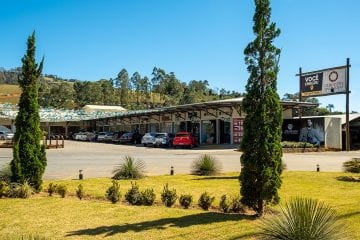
(206, 165)
(303, 218)
(17, 190)
(80, 193)
(168, 197)
(148, 197)
(51, 189)
(185, 201)
(236, 205)
(205, 201)
(129, 169)
(113, 192)
(133, 195)
(5, 173)
(61, 190)
(4, 188)
(224, 204)
(352, 166)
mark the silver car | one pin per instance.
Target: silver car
(148, 139)
(6, 135)
(164, 139)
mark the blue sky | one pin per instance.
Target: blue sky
(196, 39)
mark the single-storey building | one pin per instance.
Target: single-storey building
(214, 122)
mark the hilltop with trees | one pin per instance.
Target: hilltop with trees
(131, 91)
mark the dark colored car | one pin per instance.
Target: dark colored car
(132, 137)
(164, 139)
(116, 137)
(186, 139)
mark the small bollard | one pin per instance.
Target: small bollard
(172, 170)
(317, 167)
(81, 175)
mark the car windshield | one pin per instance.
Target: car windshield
(160, 135)
(150, 134)
(182, 135)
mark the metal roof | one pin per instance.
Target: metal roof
(9, 111)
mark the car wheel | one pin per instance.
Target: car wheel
(191, 146)
(144, 144)
(174, 146)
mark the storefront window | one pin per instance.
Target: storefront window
(208, 132)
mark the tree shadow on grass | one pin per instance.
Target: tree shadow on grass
(347, 215)
(217, 178)
(180, 222)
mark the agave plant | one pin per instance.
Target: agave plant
(129, 169)
(206, 165)
(304, 218)
(352, 165)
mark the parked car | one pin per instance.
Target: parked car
(116, 137)
(84, 136)
(132, 137)
(164, 139)
(6, 135)
(185, 139)
(148, 139)
(104, 137)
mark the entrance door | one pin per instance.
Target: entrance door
(224, 132)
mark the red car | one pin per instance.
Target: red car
(185, 139)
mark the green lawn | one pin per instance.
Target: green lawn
(95, 218)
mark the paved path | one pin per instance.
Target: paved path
(99, 159)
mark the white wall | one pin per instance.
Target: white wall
(332, 127)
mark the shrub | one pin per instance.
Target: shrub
(61, 190)
(205, 201)
(4, 188)
(129, 169)
(133, 195)
(185, 201)
(148, 197)
(303, 218)
(206, 165)
(17, 190)
(352, 166)
(80, 193)
(5, 173)
(236, 205)
(113, 192)
(168, 197)
(287, 144)
(51, 189)
(224, 204)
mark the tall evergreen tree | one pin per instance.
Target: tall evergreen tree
(29, 157)
(123, 78)
(262, 152)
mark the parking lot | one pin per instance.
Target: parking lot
(99, 159)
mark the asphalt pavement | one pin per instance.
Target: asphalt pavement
(99, 159)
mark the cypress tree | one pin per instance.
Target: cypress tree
(262, 152)
(29, 157)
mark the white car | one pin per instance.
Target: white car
(148, 139)
(105, 136)
(6, 135)
(84, 136)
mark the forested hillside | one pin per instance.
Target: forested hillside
(134, 91)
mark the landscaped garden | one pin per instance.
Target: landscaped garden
(94, 217)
